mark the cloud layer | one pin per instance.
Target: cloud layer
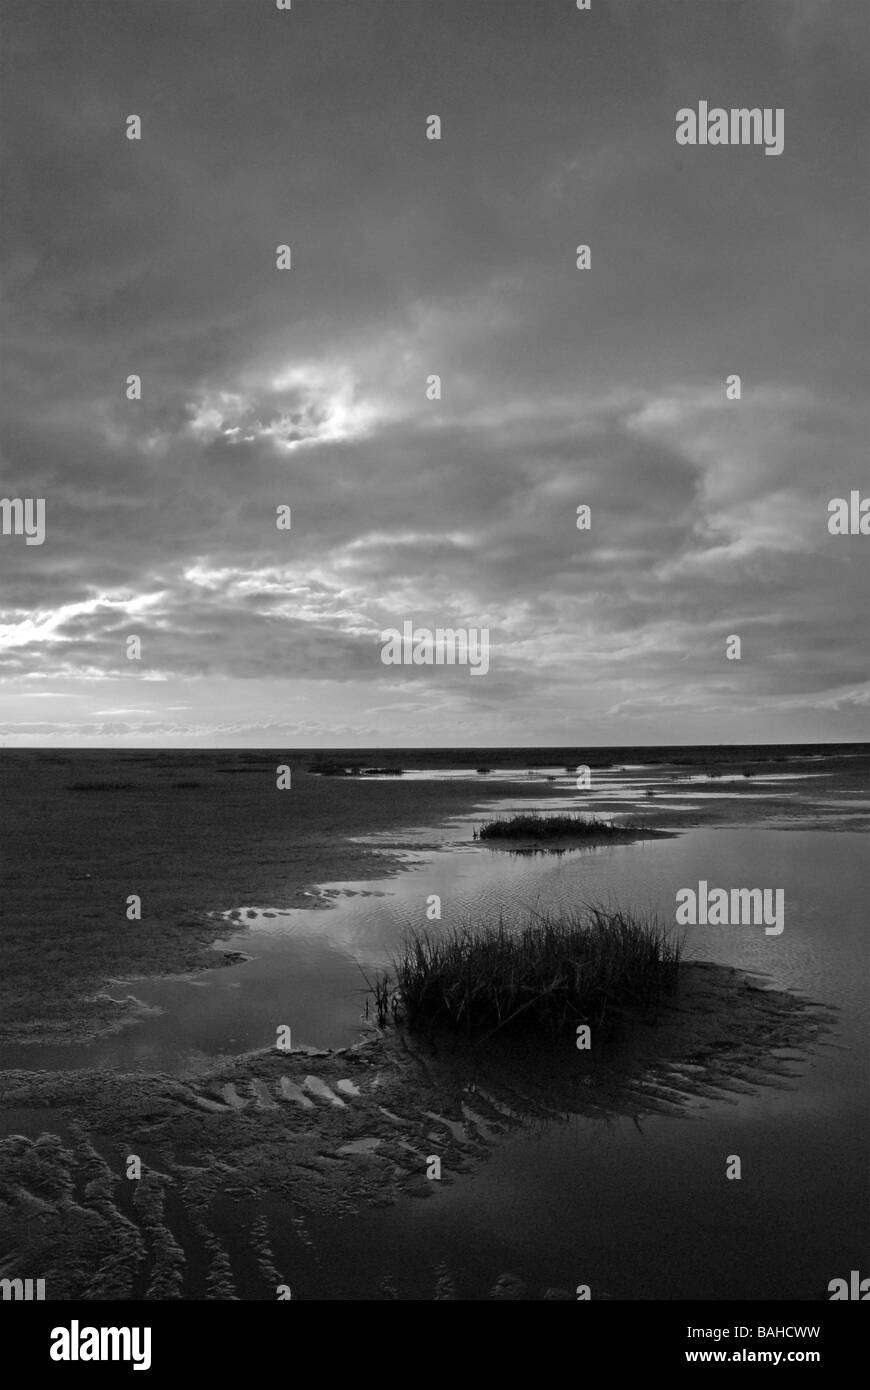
(307, 388)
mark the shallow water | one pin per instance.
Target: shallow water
(635, 1212)
(634, 1209)
(306, 967)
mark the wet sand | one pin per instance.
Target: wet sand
(339, 1132)
(260, 1168)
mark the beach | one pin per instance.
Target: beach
(559, 1169)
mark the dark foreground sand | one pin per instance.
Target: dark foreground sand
(287, 1135)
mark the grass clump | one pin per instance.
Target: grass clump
(534, 827)
(547, 976)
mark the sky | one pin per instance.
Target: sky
(307, 387)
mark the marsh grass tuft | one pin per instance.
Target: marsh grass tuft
(547, 976)
(534, 827)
